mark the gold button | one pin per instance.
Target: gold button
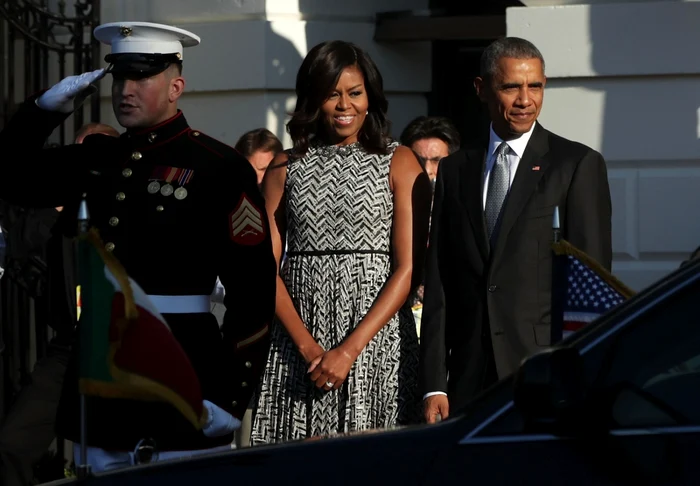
(127, 172)
(234, 403)
(109, 246)
(244, 384)
(248, 364)
(121, 196)
(195, 133)
(113, 221)
(159, 208)
(136, 156)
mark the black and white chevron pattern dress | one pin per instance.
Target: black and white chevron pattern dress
(339, 219)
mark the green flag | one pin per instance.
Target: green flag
(126, 348)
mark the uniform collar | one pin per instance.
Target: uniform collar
(158, 134)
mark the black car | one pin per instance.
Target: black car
(616, 403)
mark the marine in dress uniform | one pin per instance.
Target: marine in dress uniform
(177, 208)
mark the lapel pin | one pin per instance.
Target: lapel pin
(535, 167)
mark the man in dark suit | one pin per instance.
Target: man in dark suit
(488, 276)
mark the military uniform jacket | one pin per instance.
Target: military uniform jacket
(177, 208)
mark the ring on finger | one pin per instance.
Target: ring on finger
(329, 384)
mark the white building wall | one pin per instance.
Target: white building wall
(242, 75)
(625, 80)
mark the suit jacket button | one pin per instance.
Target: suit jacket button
(492, 288)
(234, 403)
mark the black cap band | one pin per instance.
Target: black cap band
(141, 64)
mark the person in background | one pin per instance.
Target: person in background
(355, 207)
(29, 427)
(431, 138)
(93, 128)
(259, 146)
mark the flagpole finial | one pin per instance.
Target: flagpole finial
(83, 216)
(556, 225)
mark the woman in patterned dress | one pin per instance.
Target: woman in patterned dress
(354, 206)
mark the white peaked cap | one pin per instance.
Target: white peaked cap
(145, 38)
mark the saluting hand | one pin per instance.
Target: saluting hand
(69, 93)
(330, 370)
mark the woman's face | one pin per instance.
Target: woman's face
(345, 109)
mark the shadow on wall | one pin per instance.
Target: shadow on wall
(288, 42)
(650, 133)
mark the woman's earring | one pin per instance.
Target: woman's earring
(367, 112)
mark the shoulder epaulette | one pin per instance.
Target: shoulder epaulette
(211, 144)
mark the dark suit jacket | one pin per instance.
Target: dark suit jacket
(503, 290)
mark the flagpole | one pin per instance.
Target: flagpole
(83, 469)
(558, 285)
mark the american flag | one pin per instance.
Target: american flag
(588, 296)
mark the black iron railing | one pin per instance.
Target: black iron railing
(41, 42)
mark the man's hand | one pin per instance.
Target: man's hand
(436, 405)
(68, 94)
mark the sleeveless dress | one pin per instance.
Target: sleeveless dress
(339, 221)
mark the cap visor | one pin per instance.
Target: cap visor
(138, 69)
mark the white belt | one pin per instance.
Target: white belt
(181, 304)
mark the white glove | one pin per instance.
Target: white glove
(219, 422)
(69, 93)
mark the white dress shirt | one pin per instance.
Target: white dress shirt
(517, 149)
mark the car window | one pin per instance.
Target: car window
(655, 360)
(659, 357)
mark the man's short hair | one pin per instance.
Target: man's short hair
(91, 128)
(431, 127)
(260, 139)
(513, 47)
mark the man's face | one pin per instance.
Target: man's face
(144, 102)
(429, 152)
(260, 160)
(514, 95)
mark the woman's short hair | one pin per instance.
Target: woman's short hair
(317, 78)
(260, 139)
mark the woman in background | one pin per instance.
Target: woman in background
(259, 146)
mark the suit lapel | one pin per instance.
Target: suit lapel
(524, 183)
(471, 182)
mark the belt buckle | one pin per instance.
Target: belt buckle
(146, 451)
